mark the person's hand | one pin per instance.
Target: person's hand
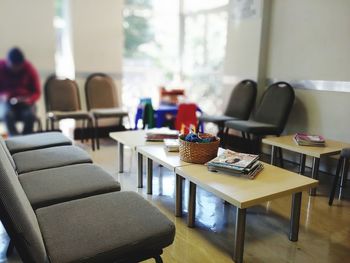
(16, 100)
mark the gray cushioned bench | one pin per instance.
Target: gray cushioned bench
(36, 141)
(49, 158)
(110, 227)
(57, 185)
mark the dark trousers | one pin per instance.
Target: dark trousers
(19, 112)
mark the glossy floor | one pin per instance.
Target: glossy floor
(324, 231)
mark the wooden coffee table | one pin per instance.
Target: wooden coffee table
(286, 142)
(160, 155)
(271, 183)
(131, 139)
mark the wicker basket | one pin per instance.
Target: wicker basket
(195, 152)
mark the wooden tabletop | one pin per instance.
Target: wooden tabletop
(132, 138)
(159, 154)
(286, 142)
(271, 183)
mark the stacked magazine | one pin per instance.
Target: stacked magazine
(240, 164)
(159, 134)
(305, 139)
(172, 145)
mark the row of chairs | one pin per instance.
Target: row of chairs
(268, 118)
(62, 101)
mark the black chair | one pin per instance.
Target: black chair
(240, 105)
(270, 116)
(343, 167)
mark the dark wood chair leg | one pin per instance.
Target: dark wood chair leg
(335, 181)
(344, 174)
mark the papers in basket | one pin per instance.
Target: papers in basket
(241, 164)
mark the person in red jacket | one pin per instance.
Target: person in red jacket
(19, 89)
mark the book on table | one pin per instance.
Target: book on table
(239, 164)
(159, 134)
(305, 139)
(172, 145)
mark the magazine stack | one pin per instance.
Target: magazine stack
(305, 139)
(239, 164)
(159, 134)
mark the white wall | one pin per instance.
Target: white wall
(309, 40)
(97, 38)
(29, 25)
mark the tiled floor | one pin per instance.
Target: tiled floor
(324, 231)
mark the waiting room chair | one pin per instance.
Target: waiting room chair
(63, 102)
(239, 107)
(270, 116)
(343, 168)
(187, 116)
(102, 100)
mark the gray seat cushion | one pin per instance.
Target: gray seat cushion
(49, 158)
(258, 128)
(109, 112)
(103, 227)
(79, 114)
(36, 141)
(215, 118)
(56, 185)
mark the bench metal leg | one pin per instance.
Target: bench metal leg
(295, 217)
(149, 175)
(192, 205)
(273, 155)
(314, 175)
(239, 235)
(178, 200)
(139, 170)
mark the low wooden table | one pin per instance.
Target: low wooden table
(159, 154)
(271, 183)
(286, 142)
(131, 139)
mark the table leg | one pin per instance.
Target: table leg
(295, 217)
(273, 155)
(192, 205)
(121, 157)
(239, 235)
(149, 176)
(302, 164)
(178, 200)
(139, 170)
(314, 175)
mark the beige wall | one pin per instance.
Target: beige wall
(97, 40)
(309, 40)
(29, 25)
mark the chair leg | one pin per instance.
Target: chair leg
(92, 135)
(225, 137)
(158, 259)
(344, 174)
(97, 135)
(335, 181)
(10, 248)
